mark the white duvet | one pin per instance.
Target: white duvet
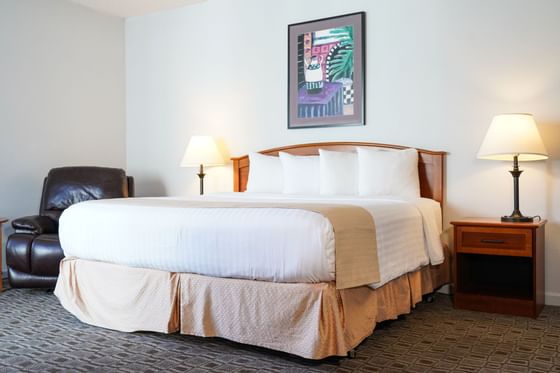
(269, 244)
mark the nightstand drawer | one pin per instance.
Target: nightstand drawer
(494, 241)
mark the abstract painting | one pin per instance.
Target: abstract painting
(326, 72)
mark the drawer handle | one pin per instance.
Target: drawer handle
(493, 241)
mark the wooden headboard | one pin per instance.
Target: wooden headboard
(430, 164)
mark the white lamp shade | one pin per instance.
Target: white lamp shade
(510, 135)
(202, 150)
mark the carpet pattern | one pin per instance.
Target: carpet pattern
(38, 335)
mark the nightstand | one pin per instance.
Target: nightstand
(499, 267)
(2, 221)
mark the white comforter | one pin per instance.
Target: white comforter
(270, 244)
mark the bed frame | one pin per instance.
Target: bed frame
(334, 322)
(430, 164)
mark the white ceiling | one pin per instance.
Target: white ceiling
(131, 8)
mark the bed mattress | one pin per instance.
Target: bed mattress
(268, 244)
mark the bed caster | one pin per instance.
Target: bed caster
(352, 353)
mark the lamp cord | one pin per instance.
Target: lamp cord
(537, 216)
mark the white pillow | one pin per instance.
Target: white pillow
(388, 173)
(301, 173)
(338, 172)
(265, 174)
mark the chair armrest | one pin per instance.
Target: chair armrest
(35, 224)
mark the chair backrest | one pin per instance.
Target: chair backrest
(65, 186)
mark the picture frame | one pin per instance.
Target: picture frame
(326, 72)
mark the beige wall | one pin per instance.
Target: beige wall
(62, 97)
(437, 71)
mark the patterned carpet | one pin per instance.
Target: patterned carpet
(38, 335)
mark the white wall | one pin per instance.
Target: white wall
(437, 71)
(62, 95)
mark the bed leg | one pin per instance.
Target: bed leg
(429, 298)
(352, 353)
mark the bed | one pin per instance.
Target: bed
(284, 285)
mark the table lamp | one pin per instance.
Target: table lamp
(202, 151)
(513, 137)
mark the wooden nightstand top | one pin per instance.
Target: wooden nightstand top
(3, 220)
(496, 222)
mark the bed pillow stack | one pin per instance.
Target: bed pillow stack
(366, 172)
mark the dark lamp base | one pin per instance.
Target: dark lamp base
(517, 219)
(516, 216)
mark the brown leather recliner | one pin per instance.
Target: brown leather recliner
(33, 252)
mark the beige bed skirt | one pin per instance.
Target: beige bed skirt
(310, 320)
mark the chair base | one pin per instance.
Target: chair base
(18, 279)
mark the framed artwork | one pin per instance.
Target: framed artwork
(326, 72)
